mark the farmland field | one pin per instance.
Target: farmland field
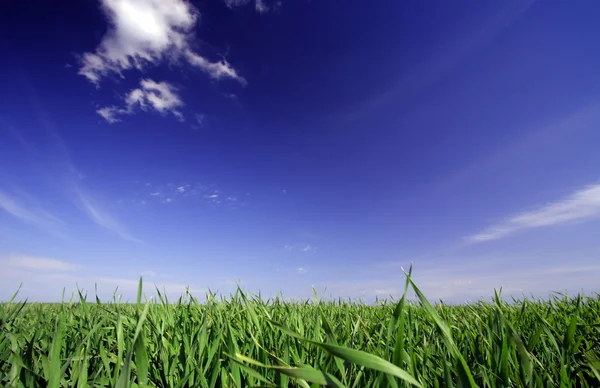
(244, 341)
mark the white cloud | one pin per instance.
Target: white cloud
(301, 270)
(579, 206)
(38, 263)
(139, 32)
(146, 32)
(151, 95)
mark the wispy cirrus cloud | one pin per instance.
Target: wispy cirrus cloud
(146, 32)
(103, 218)
(32, 214)
(581, 205)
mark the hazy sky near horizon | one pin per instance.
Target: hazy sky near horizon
(288, 144)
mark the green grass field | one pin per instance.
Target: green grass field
(246, 341)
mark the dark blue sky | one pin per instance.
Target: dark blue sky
(298, 143)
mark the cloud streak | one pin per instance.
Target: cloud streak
(33, 215)
(582, 205)
(104, 219)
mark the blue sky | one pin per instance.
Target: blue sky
(291, 144)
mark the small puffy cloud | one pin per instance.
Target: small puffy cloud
(161, 97)
(259, 5)
(582, 205)
(215, 197)
(110, 114)
(301, 270)
(38, 263)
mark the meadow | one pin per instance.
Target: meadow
(245, 341)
